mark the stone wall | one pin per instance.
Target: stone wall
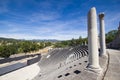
(115, 44)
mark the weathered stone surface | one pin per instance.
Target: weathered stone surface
(92, 41)
(113, 71)
(102, 35)
(116, 42)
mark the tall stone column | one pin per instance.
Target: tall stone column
(92, 42)
(102, 35)
(85, 43)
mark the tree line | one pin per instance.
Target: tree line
(110, 36)
(71, 43)
(8, 48)
(11, 46)
(81, 41)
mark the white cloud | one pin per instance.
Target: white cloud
(43, 16)
(63, 35)
(35, 26)
(62, 30)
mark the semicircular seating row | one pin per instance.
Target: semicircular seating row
(59, 57)
(78, 52)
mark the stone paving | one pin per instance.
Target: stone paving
(113, 71)
(68, 72)
(110, 65)
(76, 70)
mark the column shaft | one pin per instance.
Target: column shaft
(92, 40)
(102, 35)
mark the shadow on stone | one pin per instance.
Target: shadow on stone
(59, 76)
(67, 74)
(70, 67)
(77, 71)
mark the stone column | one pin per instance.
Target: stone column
(92, 42)
(102, 35)
(85, 43)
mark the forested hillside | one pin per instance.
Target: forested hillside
(110, 36)
(9, 46)
(13, 46)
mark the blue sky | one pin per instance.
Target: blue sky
(53, 19)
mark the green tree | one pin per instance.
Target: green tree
(110, 36)
(7, 50)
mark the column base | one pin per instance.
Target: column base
(103, 54)
(92, 68)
